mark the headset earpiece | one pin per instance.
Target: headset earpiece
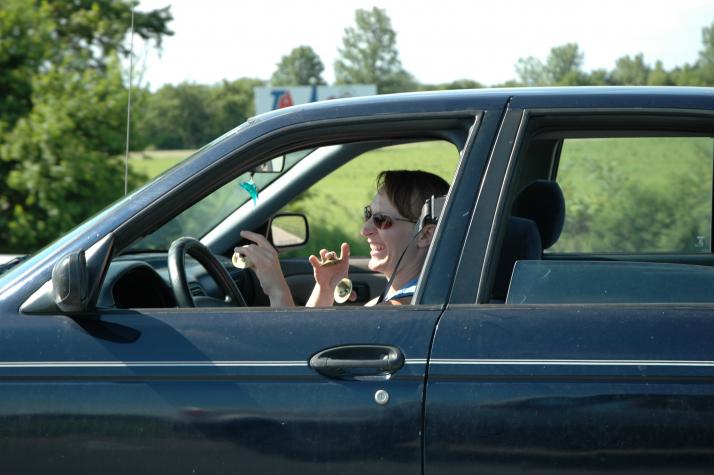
(430, 212)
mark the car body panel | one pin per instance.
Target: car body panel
(597, 388)
(139, 389)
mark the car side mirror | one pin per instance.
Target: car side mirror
(288, 231)
(76, 281)
(70, 283)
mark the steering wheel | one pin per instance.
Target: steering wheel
(177, 272)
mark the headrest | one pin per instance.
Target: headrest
(542, 202)
(520, 242)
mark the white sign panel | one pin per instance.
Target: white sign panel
(271, 98)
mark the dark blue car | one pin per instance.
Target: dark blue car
(563, 321)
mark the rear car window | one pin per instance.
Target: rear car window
(636, 195)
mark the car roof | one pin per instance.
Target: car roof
(564, 96)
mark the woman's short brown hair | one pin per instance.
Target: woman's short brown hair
(409, 189)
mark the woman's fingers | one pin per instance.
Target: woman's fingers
(258, 239)
(314, 261)
(344, 251)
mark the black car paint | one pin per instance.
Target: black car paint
(606, 389)
(542, 389)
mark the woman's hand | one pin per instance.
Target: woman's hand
(327, 276)
(263, 259)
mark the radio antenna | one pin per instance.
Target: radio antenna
(128, 100)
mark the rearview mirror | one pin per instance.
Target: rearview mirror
(288, 231)
(275, 165)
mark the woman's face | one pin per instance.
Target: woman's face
(386, 245)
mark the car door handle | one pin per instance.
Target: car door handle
(357, 360)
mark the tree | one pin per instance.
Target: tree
(64, 156)
(185, 107)
(21, 55)
(659, 76)
(62, 112)
(300, 67)
(231, 104)
(631, 71)
(706, 56)
(562, 68)
(564, 63)
(85, 32)
(531, 72)
(197, 113)
(457, 84)
(369, 54)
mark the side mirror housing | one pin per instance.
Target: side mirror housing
(70, 283)
(288, 231)
(73, 288)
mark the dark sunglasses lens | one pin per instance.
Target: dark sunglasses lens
(382, 221)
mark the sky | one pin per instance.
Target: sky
(438, 41)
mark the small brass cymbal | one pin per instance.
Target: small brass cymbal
(240, 261)
(344, 287)
(330, 259)
(343, 290)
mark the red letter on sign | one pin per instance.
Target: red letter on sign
(286, 100)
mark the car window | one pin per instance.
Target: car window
(609, 217)
(214, 208)
(636, 195)
(334, 205)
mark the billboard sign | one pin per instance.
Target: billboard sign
(271, 98)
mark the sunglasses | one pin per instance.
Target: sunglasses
(380, 220)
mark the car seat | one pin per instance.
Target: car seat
(542, 202)
(535, 224)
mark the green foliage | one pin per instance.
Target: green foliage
(301, 67)
(658, 76)
(369, 54)
(25, 42)
(562, 67)
(631, 71)
(62, 112)
(636, 195)
(62, 159)
(176, 117)
(706, 56)
(95, 29)
(458, 84)
(187, 116)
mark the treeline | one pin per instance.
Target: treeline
(63, 97)
(368, 55)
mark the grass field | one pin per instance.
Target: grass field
(153, 162)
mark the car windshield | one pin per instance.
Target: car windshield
(204, 215)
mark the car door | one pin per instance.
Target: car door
(593, 363)
(225, 390)
(211, 391)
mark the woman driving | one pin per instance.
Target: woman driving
(390, 226)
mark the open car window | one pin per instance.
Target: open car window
(596, 217)
(203, 216)
(334, 205)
